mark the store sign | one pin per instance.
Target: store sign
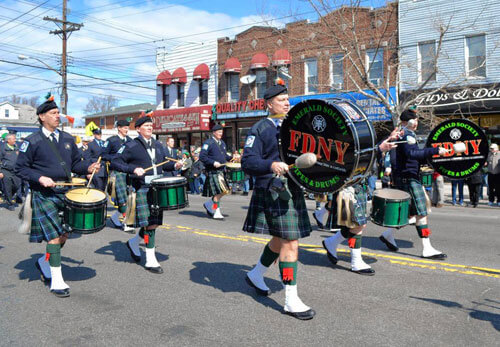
(182, 119)
(240, 109)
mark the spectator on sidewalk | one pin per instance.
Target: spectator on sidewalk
(460, 185)
(474, 183)
(493, 175)
(196, 175)
(11, 183)
(437, 190)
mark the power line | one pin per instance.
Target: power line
(25, 13)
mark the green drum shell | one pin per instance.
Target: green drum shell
(390, 212)
(83, 217)
(170, 195)
(235, 175)
(426, 179)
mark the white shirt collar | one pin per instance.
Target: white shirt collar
(47, 133)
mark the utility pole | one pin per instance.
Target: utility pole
(64, 32)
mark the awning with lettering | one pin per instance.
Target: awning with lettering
(232, 65)
(202, 72)
(179, 75)
(184, 119)
(282, 57)
(164, 77)
(259, 61)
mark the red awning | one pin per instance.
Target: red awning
(282, 57)
(232, 65)
(259, 61)
(202, 72)
(179, 75)
(164, 78)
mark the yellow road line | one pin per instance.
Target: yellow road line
(394, 259)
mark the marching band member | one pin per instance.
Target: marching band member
(97, 148)
(114, 144)
(45, 157)
(133, 158)
(275, 208)
(213, 155)
(406, 177)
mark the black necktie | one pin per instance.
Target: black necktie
(53, 137)
(149, 144)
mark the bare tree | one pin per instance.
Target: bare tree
(32, 101)
(100, 104)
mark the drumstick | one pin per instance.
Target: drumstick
(410, 141)
(93, 173)
(69, 184)
(163, 162)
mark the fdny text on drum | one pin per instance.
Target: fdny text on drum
(469, 144)
(320, 147)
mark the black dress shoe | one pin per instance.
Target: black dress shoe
(440, 256)
(60, 293)
(210, 214)
(156, 270)
(330, 256)
(132, 254)
(388, 244)
(365, 272)
(306, 315)
(42, 276)
(259, 291)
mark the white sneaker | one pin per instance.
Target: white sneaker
(115, 218)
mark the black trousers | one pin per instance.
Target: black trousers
(493, 187)
(11, 184)
(474, 189)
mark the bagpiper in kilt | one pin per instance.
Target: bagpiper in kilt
(45, 157)
(214, 155)
(406, 176)
(133, 158)
(120, 178)
(277, 206)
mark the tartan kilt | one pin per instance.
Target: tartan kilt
(121, 190)
(284, 219)
(143, 216)
(416, 190)
(212, 186)
(46, 223)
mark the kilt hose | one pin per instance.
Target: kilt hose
(284, 219)
(121, 190)
(46, 224)
(416, 190)
(212, 186)
(143, 215)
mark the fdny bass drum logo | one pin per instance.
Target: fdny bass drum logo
(319, 123)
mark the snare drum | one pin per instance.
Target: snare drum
(390, 207)
(84, 210)
(169, 193)
(234, 173)
(426, 178)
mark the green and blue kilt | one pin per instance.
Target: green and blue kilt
(416, 190)
(121, 190)
(212, 186)
(358, 216)
(46, 223)
(284, 219)
(143, 215)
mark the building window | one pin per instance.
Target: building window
(233, 87)
(166, 96)
(180, 95)
(203, 85)
(260, 82)
(6, 113)
(311, 73)
(375, 64)
(337, 70)
(427, 61)
(475, 51)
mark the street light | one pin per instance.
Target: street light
(64, 93)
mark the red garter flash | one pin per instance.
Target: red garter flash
(47, 256)
(146, 239)
(288, 274)
(214, 206)
(351, 242)
(426, 232)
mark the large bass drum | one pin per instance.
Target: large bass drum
(341, 136)
(458, 165)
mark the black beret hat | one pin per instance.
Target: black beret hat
(123, 123)
(143, 120)
(96, 131)
(408, 114)
(217, 127)
(48, 105)
(273, 91)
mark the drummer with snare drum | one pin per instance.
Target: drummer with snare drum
(406, 177)
(46, 157)
(133, 158)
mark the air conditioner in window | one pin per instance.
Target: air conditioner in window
(336, 86)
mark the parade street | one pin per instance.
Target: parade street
(202, 298)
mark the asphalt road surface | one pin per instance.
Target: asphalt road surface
(202, 298)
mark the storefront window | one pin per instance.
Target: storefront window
(228, 138)
(242, 136)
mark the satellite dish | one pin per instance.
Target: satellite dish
(247, 79)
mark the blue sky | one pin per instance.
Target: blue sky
(116, 42)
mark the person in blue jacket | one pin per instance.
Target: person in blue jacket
(406, 177)
(214, 155)
(45, 157)
(98, 148)
(133, 158)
